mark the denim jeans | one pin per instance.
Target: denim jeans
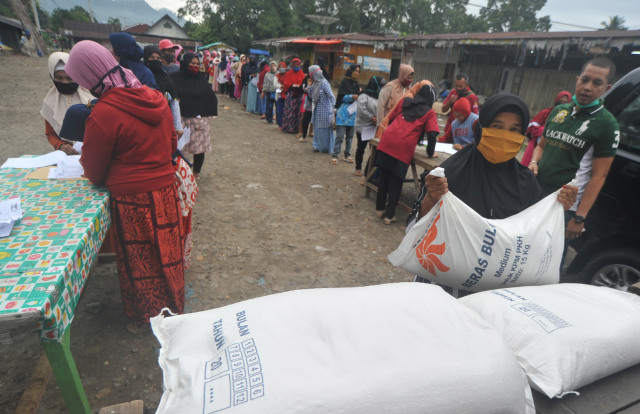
(279, 111)
(269, 110)
(342, 132)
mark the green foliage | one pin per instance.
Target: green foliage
(115, 21)
(6, 10)
(59, 15)
(514, 16)
(239, 22)
(615, 23)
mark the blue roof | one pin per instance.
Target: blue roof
(259, 52)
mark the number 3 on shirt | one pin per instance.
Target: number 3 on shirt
(616, 140)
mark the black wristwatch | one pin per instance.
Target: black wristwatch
(579, 219)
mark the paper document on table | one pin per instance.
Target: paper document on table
(10, 212)
(67, 168)
(45, 160)
(352, 108)
(368, 133)
(77, 145)
(184, 139)
(445, 147)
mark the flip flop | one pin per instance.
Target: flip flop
(358, 173)
(334, 161)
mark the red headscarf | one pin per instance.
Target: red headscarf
(462, 106)
(292, 77)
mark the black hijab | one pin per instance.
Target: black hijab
(163, 80)
(493, 190)
(249, 69)
(320, 62)
(348, 86)
(418, 106)
(375, 86)
(195, 93)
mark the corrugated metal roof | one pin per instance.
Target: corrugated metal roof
(11, 22)
(88, 30)
(138, 28)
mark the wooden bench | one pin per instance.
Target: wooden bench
(420, 159)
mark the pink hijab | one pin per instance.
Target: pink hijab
(90, 63)
(178, 50)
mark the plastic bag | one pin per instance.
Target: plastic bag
(454, 246)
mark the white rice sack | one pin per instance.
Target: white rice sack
(454, 246)
(565, 336)
(398, 348)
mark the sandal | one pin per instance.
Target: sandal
(138, 328)
(389, 220)
(300, 139)
(358, 173)
(334, 161)
(348, 159)
(379, 213)
(299, 136)
(363, 181)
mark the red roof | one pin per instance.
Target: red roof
(317, 41)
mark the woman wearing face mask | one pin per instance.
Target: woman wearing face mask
(323, 102)
(197, 103)
(292, 86)
(60, 97)
(280, 97)
(269, 87)
(261, 102)
(366, 115)
(129, 53)
(485, 175)
(409, 121)
(137, 170)
(237, 75)
(153, 60)
(345, 121)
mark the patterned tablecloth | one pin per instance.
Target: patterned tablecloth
(45, 261)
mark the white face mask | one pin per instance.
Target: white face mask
(282, 70)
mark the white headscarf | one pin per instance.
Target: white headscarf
(55, 104)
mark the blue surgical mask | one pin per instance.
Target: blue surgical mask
(296, 69)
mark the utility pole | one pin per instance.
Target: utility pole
(21, 11)
(35, 14)
(93, 19)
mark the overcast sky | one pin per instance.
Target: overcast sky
(587, 13)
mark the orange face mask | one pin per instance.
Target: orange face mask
(499, 145)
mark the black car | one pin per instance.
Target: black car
(608, 253)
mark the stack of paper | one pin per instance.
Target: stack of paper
(10, 212)
(69, 167)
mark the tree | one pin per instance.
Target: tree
(615, 23)
(514, 16)
(114, 21)
(22, 13)
(59, 15)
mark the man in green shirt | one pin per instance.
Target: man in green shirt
(571, 131)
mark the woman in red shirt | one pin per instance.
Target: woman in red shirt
(129, 141)
(409, 120)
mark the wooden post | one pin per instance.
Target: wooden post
(21, 11)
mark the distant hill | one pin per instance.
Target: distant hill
(130, 12)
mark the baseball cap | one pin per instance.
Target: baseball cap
(166, 44)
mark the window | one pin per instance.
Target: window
(629, 121)
(167, 25)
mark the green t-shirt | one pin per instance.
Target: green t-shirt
(569, 136)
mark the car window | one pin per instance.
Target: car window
(629, 121)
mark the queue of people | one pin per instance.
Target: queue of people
(131, 94)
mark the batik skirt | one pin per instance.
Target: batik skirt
(149, 252)
(291, 116)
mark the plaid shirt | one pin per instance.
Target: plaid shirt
(323, 112)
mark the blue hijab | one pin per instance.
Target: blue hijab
(130, 54)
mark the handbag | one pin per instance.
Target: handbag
(185, 184)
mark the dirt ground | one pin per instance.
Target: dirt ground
(271, 217)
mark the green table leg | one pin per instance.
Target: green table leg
(66, 373)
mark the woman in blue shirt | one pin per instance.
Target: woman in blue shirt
(345, 122)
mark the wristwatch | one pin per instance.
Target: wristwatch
(579, 219)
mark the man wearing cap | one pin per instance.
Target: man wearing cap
(168, 50)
